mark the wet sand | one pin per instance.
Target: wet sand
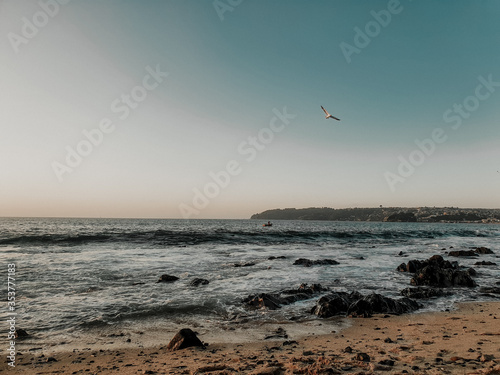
(464, 341)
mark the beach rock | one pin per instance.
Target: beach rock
(197, 282)
(308, 263)
(167, 279)
(462, 253)
(185, 338)
(336, 303)
(421, 292)
(483, 250)
(433, 275)
(414, 266)
(377, 304)
(273, 257)
(21, 333)
(362, 357)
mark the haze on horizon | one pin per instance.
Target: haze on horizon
(213, 109)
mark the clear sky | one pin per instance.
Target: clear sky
(211, 109)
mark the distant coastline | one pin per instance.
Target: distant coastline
(386, 214)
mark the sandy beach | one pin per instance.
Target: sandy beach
(463, 341)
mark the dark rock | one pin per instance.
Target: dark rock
(421, 292)
(377, 304)
(342, 303)
(362, 357)
(167, 279)
(21, 333)
(336, 303)
(185, 338)
(485, 263)
(483, 250)
(348, 349)
(308, 263)
(462, 253)
(51, 359)
(197, 282)
(414, 266)
(433, 275)
(402, 267)
(438, 272)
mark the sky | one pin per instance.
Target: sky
(211, 109)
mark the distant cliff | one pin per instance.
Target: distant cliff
(394, 214)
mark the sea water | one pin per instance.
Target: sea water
(78, 276)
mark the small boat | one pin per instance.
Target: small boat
(269, 224)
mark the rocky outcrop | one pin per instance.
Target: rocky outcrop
(336, 303)
(308, 263)
(442, 277)
(437, 272)
(185, 338)
(378, 304)
(355, 304)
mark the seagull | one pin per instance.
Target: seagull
(329, 115)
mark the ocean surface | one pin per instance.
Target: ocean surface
(76, 277)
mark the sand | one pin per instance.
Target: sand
(463, 341)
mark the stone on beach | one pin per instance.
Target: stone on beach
(185, 338)
(21, 333)
(342, 303)
(167, 279)
(336, 303)
(377, 304)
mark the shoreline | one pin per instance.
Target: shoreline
(466, 340)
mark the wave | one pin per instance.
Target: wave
(166, 238)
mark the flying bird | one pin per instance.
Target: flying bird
(329, 115)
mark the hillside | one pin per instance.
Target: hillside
(394, 214)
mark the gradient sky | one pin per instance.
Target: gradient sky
(226, 79)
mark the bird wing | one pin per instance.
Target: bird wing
(325, 111)
(335, 118)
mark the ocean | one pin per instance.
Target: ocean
(78, 278)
